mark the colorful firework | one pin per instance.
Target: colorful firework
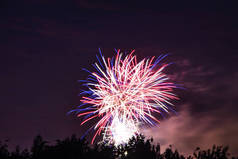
(124, 94)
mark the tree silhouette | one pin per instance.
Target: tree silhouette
(217, 152)
(75, 148)
(4, 154)
(38, 148)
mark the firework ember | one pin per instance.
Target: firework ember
(125, 93)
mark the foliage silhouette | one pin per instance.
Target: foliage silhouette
(75, 148)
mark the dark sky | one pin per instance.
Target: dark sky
(45, 44)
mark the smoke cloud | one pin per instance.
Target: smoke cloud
(186, 132)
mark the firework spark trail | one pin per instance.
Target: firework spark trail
(124, 94)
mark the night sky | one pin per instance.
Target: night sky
(45, 44)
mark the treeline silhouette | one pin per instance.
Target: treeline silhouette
(75, 148)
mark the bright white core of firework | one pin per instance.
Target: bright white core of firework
(122, 131)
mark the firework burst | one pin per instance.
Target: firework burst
(123, 94)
